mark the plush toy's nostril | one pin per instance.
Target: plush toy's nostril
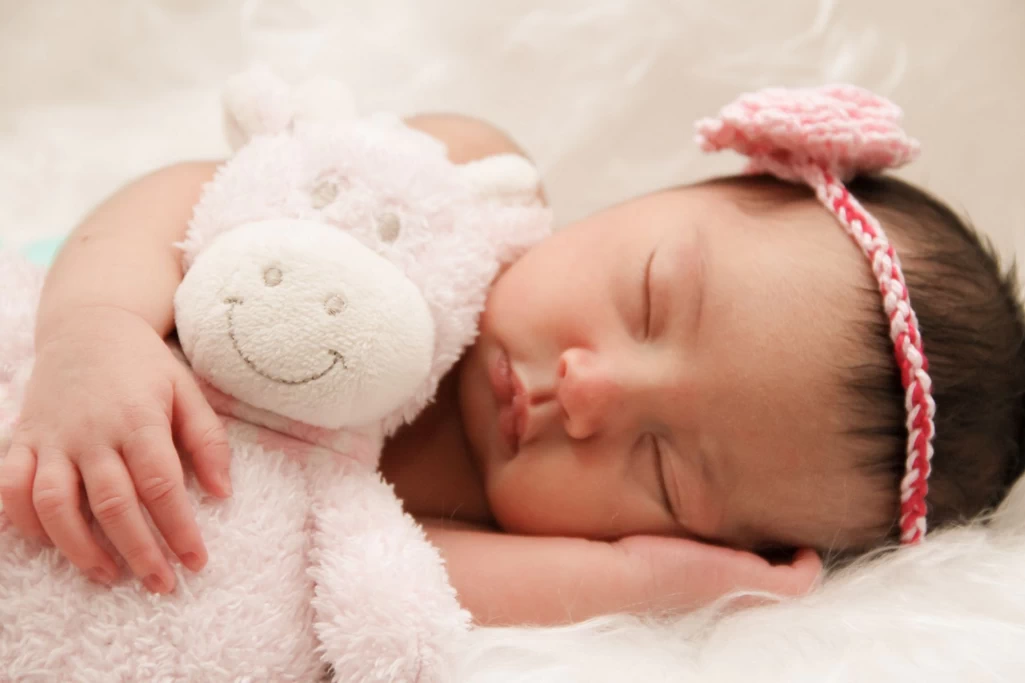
(334, 305)
(272, 276)
(388, 226)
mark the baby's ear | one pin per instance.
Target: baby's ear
(506, 178)
(256, 102)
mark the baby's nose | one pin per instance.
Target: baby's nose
(591, 395)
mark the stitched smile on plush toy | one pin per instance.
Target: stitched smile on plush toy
(336, 357)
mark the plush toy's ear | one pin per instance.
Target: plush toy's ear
(506, 178)
(256, 102)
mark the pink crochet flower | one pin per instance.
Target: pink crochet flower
(842, 129)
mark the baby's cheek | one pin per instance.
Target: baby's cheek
(525, 290)
(544, 495)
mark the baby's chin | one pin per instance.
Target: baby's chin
(510, 512)
(514, 515)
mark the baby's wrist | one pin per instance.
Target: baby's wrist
(76, 318)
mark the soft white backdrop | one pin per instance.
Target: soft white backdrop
(602, 93)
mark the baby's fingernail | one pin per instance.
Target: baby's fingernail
(100, 575)
(192, 561)
(154, 584)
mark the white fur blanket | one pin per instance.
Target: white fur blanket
(602, 93)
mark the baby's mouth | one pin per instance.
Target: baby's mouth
(336, 357)
(511, 401)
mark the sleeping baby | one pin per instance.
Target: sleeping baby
(701, 390)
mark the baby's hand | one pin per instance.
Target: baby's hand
(680, 574)
(104, 398)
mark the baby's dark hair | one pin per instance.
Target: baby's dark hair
(973, 329)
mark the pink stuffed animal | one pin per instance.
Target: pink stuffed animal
(336, 268)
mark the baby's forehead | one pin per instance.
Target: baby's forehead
(782, 228)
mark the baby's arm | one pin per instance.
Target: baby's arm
(504, 579)
(122, 255)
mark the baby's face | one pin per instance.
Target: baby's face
(674, 365)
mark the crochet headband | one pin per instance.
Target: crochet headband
(823, 137)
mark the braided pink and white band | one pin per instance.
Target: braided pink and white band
(823, 137)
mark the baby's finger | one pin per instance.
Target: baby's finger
(56, 496)
(17, 472)
(157, 472)
(203, 437)
(747, 571)
(805, 572)
(115, 506)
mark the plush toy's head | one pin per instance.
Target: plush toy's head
(336, 267)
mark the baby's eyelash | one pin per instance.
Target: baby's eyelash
(660, 469)
(647, 295)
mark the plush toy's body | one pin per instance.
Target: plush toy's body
(335, 271)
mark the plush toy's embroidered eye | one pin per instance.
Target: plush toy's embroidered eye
(334, 305)
(324, 192)
(388, 226)
(272, 276)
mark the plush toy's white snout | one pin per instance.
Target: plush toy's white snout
(300, 318)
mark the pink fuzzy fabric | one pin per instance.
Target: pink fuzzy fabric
(312, 561)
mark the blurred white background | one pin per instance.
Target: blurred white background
(602, 93)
